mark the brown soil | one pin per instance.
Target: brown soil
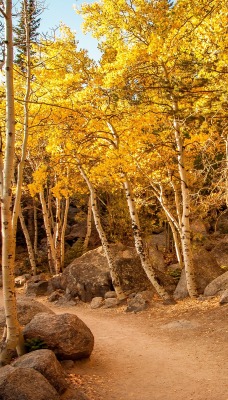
(167, 352)
(174, 352)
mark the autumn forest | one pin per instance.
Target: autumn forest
(139, 139)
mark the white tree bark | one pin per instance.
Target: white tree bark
(185, 197)
(173, 223)
(57, 236)
(139, 244)
(35, 244)
(21, 164)
(50, 241)
(13, 335)
(111, 263)
(28, 243)
(89, 226)
(185, 223)
(67, 205)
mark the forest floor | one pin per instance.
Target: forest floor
(174, 352)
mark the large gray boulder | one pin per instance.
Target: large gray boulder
(27, 309)
(88, 276)
(217, 286)
(66, 335)
(206, 270)
(25, 384)
(45, 362)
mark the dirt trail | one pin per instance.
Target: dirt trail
(155, 356)
(165, 353)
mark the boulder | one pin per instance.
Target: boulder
(65, 334)
(224, 297)
(157, 257)
(96, 302)
(220, 253)
(88, 276)
(36, 288)
(25, 383)
(222, 223)
(45, 362)
(55, 296)
(110, 295)
(137, 303)
(206, 270)
(111, 302)
(198, 226)
(27, 309)
(217, 286)
(37, 285)
(20, 281)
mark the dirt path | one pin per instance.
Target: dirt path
(165, 353)
(159, 354)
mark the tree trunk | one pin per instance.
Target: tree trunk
(111, 263)
(173, 223)
(50, 241)
(13, 336)
(28, 242)
(89, 226)
(67, 205)
(57, 238)
(35, 243)
(139, 244)
(185, 223)
(20, 169)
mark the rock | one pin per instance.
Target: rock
(88, 276)
(169, 302)
(78, 230)
(147, 295)
(55, 283)
(111, 302)
(0, 281)
(45, 362)
(220, 253)
(224, 297)
(36, 288)
(20, 281)
(136, 304)
(110, 295)
(25, 383)
(206, 270)
(96, 302)
(65, 334)
(157, 257)
(198, 226)
(27, 309)
(66, 301)
(55, 296)
(222, 223)
(181, 290)
(217, 286)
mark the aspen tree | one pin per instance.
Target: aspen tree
(13, 338)
(110, 259)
